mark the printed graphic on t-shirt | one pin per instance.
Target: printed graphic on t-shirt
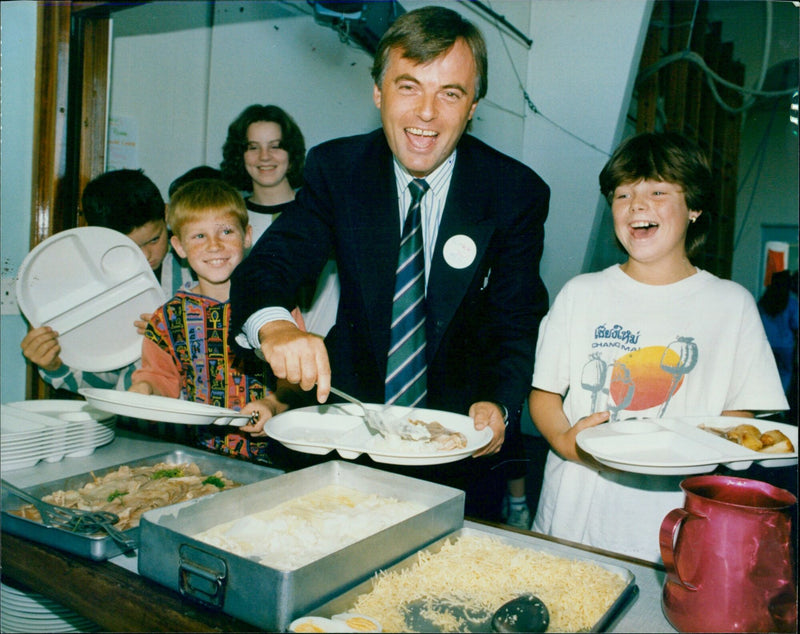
(620, 376)
(194, 330)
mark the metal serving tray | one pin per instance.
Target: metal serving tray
(344, 602)
(270, 598)
(101, 547)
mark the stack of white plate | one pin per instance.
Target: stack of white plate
(51, 430)
(30, 612)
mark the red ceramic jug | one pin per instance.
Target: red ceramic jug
(729, 559)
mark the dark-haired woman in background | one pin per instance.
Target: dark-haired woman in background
(263, 156)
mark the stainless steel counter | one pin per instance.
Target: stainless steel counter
(643, 615)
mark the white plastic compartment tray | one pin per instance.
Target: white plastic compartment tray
(161, 408)
(677, 446)
(320, 429)
(89, 284)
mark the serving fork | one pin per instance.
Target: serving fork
(384, 424)
(74, 520)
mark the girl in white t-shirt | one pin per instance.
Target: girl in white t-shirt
(652, 337)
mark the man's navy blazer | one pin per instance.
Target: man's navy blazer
(482, 319)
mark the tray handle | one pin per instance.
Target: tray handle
(202, 576)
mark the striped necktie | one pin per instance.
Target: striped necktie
(406, 363)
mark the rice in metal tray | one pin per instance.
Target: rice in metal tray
(307, 528)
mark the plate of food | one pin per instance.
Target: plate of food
(161, 408)
(320, 429)
(690, 445)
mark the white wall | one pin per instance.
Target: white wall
(256, 52)
(580, 78)
(160, 81)
(281, 56)
(270, 52)
(18, 57)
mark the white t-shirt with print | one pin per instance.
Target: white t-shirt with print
(696, 347)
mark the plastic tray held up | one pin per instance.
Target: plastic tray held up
(89, 284)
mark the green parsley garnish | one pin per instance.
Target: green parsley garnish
(116, 494)
(177, 472)
(217, 482)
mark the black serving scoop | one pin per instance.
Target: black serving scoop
(526, 613)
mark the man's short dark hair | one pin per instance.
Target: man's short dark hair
(425, 34)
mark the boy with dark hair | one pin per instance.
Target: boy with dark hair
(122, 200)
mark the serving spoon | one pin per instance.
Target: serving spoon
(526, 613)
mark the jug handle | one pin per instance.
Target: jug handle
(666, 538)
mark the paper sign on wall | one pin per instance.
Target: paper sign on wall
(123, 137)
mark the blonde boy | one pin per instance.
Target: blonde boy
(185, 352)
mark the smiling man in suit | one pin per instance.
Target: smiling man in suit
(481, 223)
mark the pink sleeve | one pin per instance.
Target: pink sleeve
(159, 370)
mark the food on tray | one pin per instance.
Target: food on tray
(446, 439)
(772, 441)
(437, 438)
(304, 529)
(746, 435)
(469, 578)
(130, 491)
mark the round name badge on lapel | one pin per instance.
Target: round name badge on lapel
(459, 251)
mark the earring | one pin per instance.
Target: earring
(692, 219)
